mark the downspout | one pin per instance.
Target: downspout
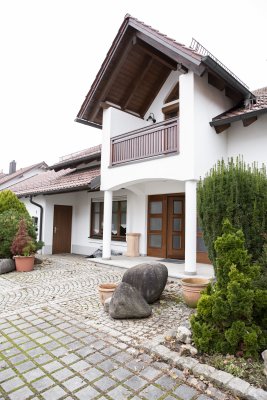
(41, 216)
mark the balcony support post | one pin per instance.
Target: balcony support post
(107, 224)
(190, 226)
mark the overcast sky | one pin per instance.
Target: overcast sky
(51, 51)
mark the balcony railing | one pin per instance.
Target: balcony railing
(151, 141)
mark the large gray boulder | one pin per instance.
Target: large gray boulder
(149, 279)
(7, 265)
(127, 302)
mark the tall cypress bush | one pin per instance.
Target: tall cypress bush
(236, 191)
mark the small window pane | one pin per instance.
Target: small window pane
(177, 224)
(115, 206)
(155, 224)
(123, 218)
(96, 224)
(114, 227)
(155, 241)
(123, 205)
(177, 206)
(176, 242)
(96, 207)
(201, 245)
(156, 207)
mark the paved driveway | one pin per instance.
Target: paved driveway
(56, 342)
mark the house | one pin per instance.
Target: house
(20, 175)
(59, 200)
(168, 113)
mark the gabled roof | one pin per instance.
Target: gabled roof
(74, 159)
(247, 112)
(51, 182)
(136, 66)
(21, 171)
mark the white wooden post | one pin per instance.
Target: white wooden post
(107, 221)
(190, 227)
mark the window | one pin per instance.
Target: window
(171, 103)
(118, 227)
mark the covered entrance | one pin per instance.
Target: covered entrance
(166, 226)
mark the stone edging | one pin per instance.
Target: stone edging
(227, 381)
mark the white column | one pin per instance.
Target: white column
(107, 225)
(190, 226)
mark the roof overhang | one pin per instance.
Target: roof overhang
(137, 65)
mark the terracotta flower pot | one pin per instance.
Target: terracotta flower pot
(192, 288)
(24, 263)
(106, 290)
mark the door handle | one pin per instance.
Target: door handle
(55, 230)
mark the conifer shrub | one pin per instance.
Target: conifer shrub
(23, 244)
(9, 223)
(238, 192)
(231, 314)
(8, 201)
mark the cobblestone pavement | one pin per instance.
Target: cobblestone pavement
(56, 342)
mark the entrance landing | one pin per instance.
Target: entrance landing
(175, 267)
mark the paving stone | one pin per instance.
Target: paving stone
(74, 383)
(62, 374)
(43, 383)
(166, 382)
(135, 382)
(203, 397)
(185, 392)
(18, 358)
(33, 374)
(54, 393)
(12, 384)
(36, 352)
(120, 393)
(6, 374)
(256, 394)
(109, 351)
(51, 345)
(43, 359)
(221, 377)
(121, 374)
(123, 357)
(87, 393)
(92, 374)
(21, 394)
(150, 373)
(136, 365)
(104, 383)
(95, 358)
(69, 358)
(25, 366)
(85, 351)
(52, 366)
(108, 365)
(59, 351)
(151, 393)
(80, 366)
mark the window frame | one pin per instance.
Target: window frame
(115, 237)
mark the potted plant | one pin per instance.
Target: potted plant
(24, 248)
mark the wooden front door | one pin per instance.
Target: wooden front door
(165, 230)
(62, 229)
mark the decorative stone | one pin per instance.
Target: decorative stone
(187, 349)
(148, 279)
(127, 302)
(7, 265)
(264, 356)
(106, 304)
(184, 335)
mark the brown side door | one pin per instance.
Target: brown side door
(62, 229)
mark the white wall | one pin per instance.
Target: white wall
(210, 146)
(249, 142)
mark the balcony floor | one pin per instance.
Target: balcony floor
(175, 268)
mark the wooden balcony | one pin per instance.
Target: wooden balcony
(155, 140)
